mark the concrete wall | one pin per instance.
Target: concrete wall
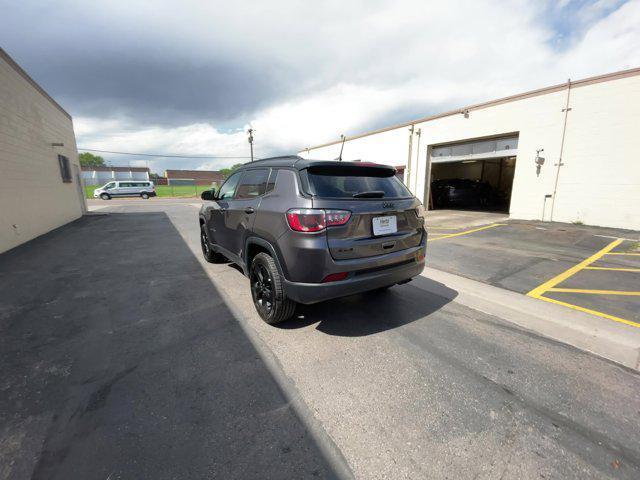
(33, 197)
(599, 183)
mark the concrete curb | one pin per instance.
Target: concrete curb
(608, 339)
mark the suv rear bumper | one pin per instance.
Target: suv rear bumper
(411, 265)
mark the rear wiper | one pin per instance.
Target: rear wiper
(369, 194)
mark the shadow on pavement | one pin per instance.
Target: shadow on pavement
(119, 359)
(374, 312)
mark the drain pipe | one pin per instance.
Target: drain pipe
(415, 186)
(566, 111)
(408, 174)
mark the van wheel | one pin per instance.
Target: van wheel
(210, 255)
(145, 195)
(267, 291)
(105, 196)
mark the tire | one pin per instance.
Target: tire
(267, 291)
(208, 253)
(105, 196)
(145, 195)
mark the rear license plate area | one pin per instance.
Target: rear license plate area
(385, 225)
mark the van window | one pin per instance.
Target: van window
(253, 183)
(109, 186)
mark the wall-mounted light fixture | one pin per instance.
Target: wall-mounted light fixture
(539, 161)
(465, 112)
(57, 144)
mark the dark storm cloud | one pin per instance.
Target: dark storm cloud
(151, 89)
(102, 67)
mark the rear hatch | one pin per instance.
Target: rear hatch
(384, 214)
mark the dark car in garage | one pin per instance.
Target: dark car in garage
(460, 192)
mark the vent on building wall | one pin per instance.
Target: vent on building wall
(65, 169)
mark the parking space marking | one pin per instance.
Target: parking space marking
(550, 286)
(592, 312)
(449, 235)
(624, 253)
(591, 292)
(614, 269)
(539, 290)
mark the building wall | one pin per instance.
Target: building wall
(599, 183)
(33, 197)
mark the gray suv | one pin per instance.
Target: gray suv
(305, 231)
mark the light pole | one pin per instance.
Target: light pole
(250, 133)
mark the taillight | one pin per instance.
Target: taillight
(315, 220)
(420, 211)
(337, 217)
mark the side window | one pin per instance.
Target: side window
(125, 185)
(65, 168)
(229, 187)
(109, 186)
(253, 183)
(272, 180)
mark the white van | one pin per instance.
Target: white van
(125, 188)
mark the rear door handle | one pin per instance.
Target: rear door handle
(249, 210)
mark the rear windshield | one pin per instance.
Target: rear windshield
(355, 183)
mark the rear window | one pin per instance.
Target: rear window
(358, 182)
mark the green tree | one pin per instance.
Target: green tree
(90, 160)
(228, 171)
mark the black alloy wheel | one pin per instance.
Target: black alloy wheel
(267, 290)
(262, 290)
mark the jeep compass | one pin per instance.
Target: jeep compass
(305, 231)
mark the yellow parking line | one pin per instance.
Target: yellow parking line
(539, 290)
(614, 269)
(592, 312)
(623, 253)
(449, 235)
(592, 292)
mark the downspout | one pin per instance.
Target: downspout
(408, 174)
(415, 186)
(566, 111)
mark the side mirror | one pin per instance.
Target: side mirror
(208, 194)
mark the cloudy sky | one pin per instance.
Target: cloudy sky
(188, 77)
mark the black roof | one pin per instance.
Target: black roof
(299, 163)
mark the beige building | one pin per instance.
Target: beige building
(40, 186)
(565, 153)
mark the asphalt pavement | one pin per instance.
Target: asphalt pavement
(166, 369)
(121, 360)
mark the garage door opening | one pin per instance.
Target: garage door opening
(476, 175)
